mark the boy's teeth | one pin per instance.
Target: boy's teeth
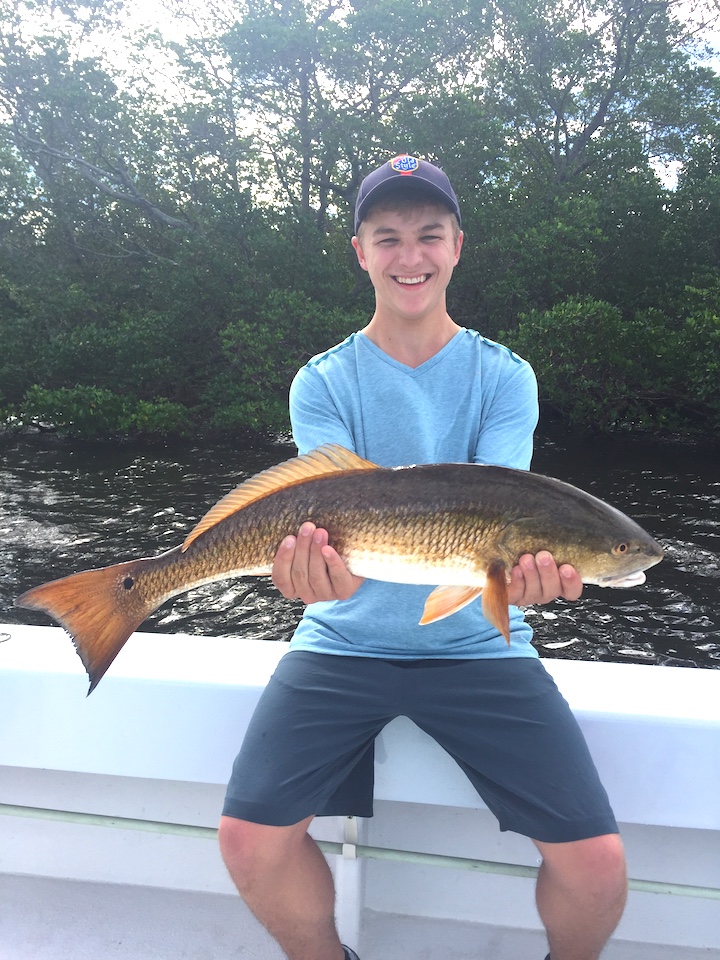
(412, 279)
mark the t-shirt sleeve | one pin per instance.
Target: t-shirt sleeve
(314, 416)
(508, 424)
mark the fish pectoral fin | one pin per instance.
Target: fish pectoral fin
(495, 598)
(446, 600)
(324, 460)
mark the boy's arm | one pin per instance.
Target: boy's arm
(506, 438)
(305, 566)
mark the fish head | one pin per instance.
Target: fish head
(604, 545)
(625, 562)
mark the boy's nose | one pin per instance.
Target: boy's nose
(411, 254)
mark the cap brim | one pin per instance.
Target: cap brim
(390, 187)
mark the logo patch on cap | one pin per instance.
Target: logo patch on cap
(404, 164)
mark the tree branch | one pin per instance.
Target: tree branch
(97, 176)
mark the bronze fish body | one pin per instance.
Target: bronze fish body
(459, 527)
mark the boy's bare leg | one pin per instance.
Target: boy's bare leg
(581, 893)
(284, 879)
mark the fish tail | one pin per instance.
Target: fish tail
(98, 608)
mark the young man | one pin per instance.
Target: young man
(414, 387)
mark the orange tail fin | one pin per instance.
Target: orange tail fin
(98, 608)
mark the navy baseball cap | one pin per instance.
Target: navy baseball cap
(404, 171)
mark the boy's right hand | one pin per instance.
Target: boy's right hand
(306, 567)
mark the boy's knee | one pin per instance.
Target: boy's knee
(604, 856)
(251, 848)
(597, 862)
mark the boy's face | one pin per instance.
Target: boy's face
(410, 255)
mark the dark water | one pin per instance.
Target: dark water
(66, 508)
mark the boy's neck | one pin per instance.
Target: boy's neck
(410, 343)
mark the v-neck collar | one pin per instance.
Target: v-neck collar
(403, 367)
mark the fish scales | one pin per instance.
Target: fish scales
(406, 515)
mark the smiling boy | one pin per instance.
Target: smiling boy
(414, 387)
(410, 256)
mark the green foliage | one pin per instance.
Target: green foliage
(171, 252)
(602, 372)
(263, 354)
(701, 345)
(100, 413)
(18, 342)
(582, 353)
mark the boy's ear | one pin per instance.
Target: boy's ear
(358, 250)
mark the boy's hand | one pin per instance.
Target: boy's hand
(306, 567)
(538, 579)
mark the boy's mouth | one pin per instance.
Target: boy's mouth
(411, 281)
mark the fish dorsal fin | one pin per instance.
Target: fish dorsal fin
(323, 461)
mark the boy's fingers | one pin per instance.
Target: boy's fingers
(343, 582)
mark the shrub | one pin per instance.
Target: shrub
(96, 412)
(601, 371)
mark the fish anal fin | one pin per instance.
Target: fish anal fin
(446, 600)
(323, 461)
(495, 598)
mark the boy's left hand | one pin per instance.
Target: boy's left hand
(307, 568)
(538, 579)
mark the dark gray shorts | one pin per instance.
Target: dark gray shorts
(309, 746)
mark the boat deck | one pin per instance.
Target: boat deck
(49, 919)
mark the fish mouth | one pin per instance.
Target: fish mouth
(625, 580)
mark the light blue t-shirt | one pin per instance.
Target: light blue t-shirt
(474, 401)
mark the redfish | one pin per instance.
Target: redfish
(456, 526)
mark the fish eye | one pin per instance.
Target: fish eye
(620, 549)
